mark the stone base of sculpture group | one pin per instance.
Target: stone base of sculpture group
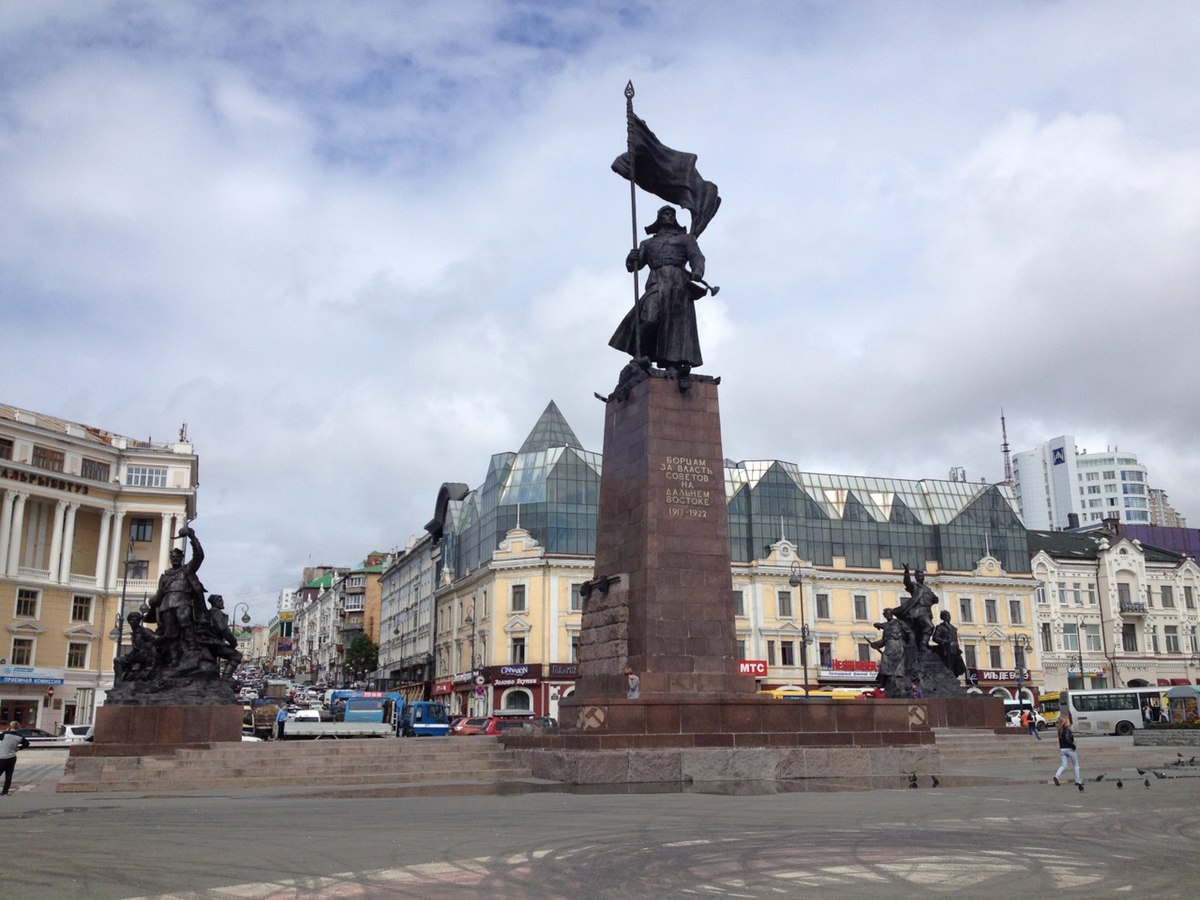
(156, 730)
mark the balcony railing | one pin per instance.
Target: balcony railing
(1129, 606)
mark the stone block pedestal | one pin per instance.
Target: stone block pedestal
(151, 730)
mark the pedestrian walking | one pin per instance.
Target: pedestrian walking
(10, 743)
(280, 721)
(1029, 720)
(1066, 750)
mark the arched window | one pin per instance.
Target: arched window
(517, 698)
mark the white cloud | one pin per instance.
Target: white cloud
(358, 254)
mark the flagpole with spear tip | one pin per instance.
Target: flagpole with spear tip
(637, 301)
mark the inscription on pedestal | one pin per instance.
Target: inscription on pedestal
(689, 486)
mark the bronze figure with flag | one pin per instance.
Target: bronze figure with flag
(661, 327)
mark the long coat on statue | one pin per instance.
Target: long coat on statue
(670, 337)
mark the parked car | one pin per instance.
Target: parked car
(36, 735)
(469, 725)
(73, 733)
(509, 724)
(1013, 719)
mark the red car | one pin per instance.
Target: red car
(469, 725)
(510, 724)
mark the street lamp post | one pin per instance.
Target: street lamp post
(1021, 645)
(795, 581)
(120, 623)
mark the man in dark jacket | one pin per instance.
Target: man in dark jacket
(10, 743)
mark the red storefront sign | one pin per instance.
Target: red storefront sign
(442, 687)
(755, 667)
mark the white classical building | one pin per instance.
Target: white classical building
(87, 522)
(1112, 612)
(1060, 486)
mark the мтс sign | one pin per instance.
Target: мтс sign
(756, 667)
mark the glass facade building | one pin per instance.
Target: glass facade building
(551, 488)
(865, 520)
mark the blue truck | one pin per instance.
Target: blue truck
(424, 718)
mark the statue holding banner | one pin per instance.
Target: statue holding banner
(661, 327)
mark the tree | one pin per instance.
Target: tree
(362, 656)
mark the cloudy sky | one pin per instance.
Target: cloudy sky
(358, 247)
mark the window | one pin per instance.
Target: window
(576, 598)
(1168, 597)
(575, 648)
(787, 653)
(81, 608)
(969, 656)
(1047, 640)
(1041, 593)
(22, 652)
(6, 448)
(741, 648)
(1077, 593)
(146, 476)
(822, 606)
(27, 603)
(1019, 660)
(1171, 634)
(770, 653)
(77, 654)
(995, 657)
(1129, 637)
(860, 608)
(94, 470)
(989, 610)
(739, 603)
(517, 604)
(1091, 635)
(138, 570)
(825, 649)
(864, 652)
(141, 530)
(965, 610)
(45, 458)
(784, 599)
(1062, 593)
(1014, 612)
(1071, 637)
(517, 650)
(1189, 598)
(1122, 594)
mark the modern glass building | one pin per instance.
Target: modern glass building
(550, 487)
(864, 520)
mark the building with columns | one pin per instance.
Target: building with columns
(87, 520)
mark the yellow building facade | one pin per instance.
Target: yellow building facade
(86, 525)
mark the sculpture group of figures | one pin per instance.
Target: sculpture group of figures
(919, 658)
(194, 647)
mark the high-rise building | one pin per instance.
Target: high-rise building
(1060, 486)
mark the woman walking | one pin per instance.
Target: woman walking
(1066, 751)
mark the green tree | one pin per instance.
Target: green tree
(362, 656)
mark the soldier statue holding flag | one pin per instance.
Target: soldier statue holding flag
(661, 327)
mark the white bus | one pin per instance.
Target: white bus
(1110, 710)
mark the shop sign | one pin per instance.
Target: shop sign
(563, 670)
(994, 675)
(31, 675)
(50, 481)
(755, 667)
(511, 682)
(463, 678)
(849, 670)
(442, 687)
(514, 670)
(1099, 672)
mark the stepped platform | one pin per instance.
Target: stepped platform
(312, 765)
